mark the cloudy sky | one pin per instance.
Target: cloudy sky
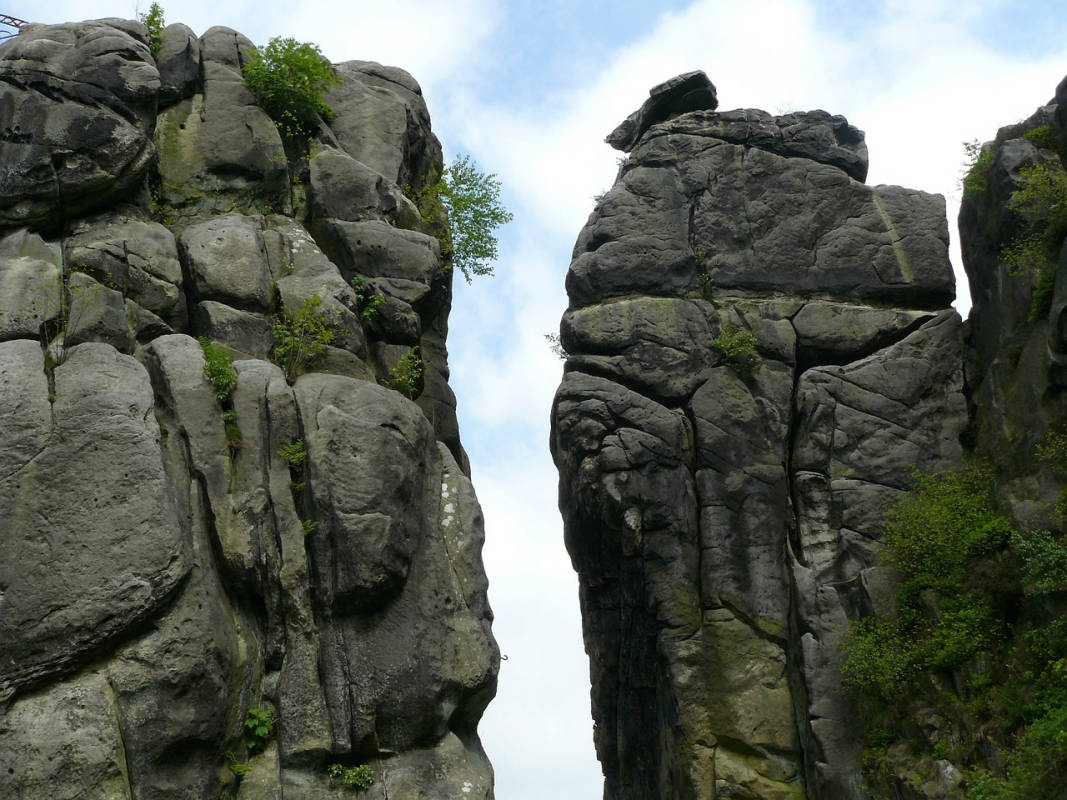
(530, 88)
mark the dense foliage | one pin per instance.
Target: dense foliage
(975, 639)
(470, 199)
(289, 79)
(737, 348)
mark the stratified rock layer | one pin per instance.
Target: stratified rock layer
(309, 544)
(725, 525)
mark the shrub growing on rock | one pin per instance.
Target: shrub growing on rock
(737, 348)
(218, 369)
(289, 79)
(301, 338)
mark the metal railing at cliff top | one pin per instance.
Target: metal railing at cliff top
(13, 23)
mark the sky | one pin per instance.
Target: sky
(529, 88)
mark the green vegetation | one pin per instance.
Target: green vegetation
(301, 338)
(259, 728)
(406, 376)
(233, 431)
(933, 538)
(470, 200)
(737, 348)
(704, 285)
(977, 610)
(361, 777)
(153, 20)
(369, 305)
(295, 455)
(289, 79)
(1040, 198)
(218, 369)
(976, 166)
(1042, 137)
(238, 768)
(309, 526)
(701, 255)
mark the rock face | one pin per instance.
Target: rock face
(1018, 350)
(175, 555)
(724, 517)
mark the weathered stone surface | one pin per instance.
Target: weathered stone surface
(1015, 367)
(691, 91)
(176, 554)
(371, 459)
(219, 152)
(139, 258)
(92, 547)
(79, 106)
(178, 63)
(725, 522)
(381, 120)
(344, 188)
(807, 134)
(30, 284)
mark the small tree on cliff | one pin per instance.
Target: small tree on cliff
(471, 200)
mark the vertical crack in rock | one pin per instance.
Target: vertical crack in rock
(769, 532)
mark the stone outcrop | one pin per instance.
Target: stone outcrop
(1017, 357)
(176, 556)
(724, 521)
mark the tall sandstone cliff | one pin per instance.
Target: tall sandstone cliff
(170, 561)
(725, 522)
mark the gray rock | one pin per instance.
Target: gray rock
(139, 258)
(725, 523)
(219, 152)
(371, 460)
(344, 188)
(690, 91)
(806, 134)
(76, 582)
(80, 102)
(170, 563)
(95, 313)
(178, 62)
(244, 331)
(381, 120)
(30, 285)
(225, 259)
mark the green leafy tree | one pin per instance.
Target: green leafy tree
(471, 200)
(153, 20)
(289, 79)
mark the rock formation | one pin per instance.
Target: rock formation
(723, 508)
(176, 555)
